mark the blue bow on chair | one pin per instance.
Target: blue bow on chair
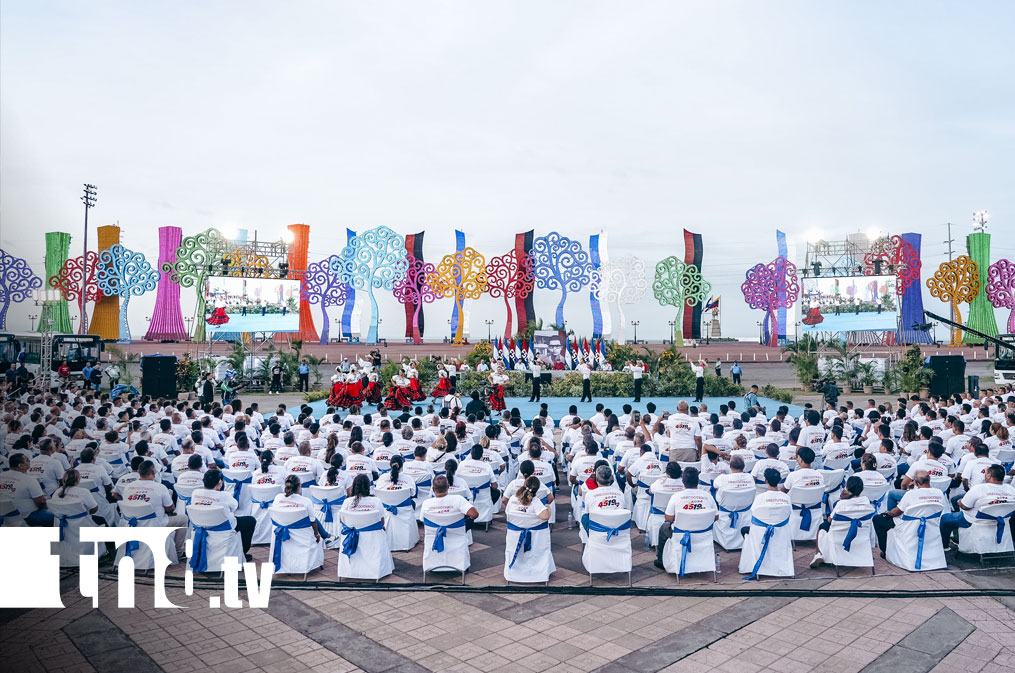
(282, 534)
(921, 532)
(524, 539)
(394, 508)
(9, 515)
(596, 527)
(134, 545)
(350, 536)
(477, 489)
(438, 538)
(734, 514)
(326, 506)
(805, 514)
(1000, 522)
(769, 532)
(199, 559)
(237, 484)
(854, 526)
(685, 542)
(262, 504)
(64, 518)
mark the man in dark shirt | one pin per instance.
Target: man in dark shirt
(475, 405)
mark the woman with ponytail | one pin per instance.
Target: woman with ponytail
(267, 472)
(291, 498)
(70, 488)
(395, 478)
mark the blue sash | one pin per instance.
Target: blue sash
(426, 483)
(237, 484)
(734, 514)
(545, 500)
(326, 506)
(769, 532)
(282, 534)
(394, 508)
(262, 504)
(877, 503)
(999, 520)
(524, 539)
(350, 536)
(199, 560)
(685, 542)
(805, 514)
(65, 517)
(854, 526)
(15, 513)
(921, 532)
(134, 545)
(595, 526)
(476, 490)
(438, 538)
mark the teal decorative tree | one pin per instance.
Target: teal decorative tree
(125, 274)
(373, 260)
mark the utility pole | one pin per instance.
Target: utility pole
(950, 241)
(89, 201)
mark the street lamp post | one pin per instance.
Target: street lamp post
(88, 199)
(708, 332)
(761, 335)
(488, 334)
(634, 324)
(673, 333)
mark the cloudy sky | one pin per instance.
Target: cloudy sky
(633, 119)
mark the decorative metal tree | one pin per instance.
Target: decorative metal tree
(124, 273)
(622, 282)
(893, 256)
(679, 284)
(167, 316)
(68, 281)
(560, 263)
(414, 290)
(17, 280)
(373, 260)
(770, 287)
(243, 261)
(956, 282)
(194, 260)
(1001, 288)
(459, 276)
(321, 286)
(511, 277)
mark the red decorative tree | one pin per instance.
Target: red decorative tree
(1001, 288)
(511, 278)
(770, 287)
(414, 290)
(68, 281)
(893, 256)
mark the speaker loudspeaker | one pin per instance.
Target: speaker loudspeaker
(158, 375)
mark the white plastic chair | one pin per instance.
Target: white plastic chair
(852, 529)
(840, 463)
(299, 552)
(834, 480)
(215, 538)
(479, 496)
(327, 502)
(806, 516)
(657, 511)
(691, 548)
(369, 557)
(990, 532)
(734, 513)
(608, 547)
(1007, 458)
(941, 483)
(141, 514)
(915, 542)
(768, 548)
(261, 497)
(445, 545)
(534, 564)
(238, 483)
(70, 514)
(890, 473)
(402, 528)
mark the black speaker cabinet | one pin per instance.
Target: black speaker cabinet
(949, 375)
(158, 375)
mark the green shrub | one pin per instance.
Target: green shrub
(314, 395)
(778, 394)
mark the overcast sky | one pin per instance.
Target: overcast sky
(634, 119)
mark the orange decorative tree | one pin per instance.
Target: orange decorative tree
(956, 282)
(459, 276)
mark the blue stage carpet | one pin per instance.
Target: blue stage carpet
(558, 406)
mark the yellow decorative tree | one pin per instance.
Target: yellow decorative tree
(956, 282)
(459, 276)
(243, 261)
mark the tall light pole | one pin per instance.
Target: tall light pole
(488, 334)
(634, 324)
(89, 199)
(951, 307)
(673, 333)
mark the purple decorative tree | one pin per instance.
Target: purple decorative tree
(321, 286)
(1001, 288)
(770, 287)
(17, 280)
(414, 290)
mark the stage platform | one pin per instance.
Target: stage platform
(558, 406)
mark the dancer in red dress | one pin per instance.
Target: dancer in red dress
(218, 315)
(497, 379)
(415, 388)
(372, 393)
(337, 388)
(398, 393)
(813, 316)
(443, 385)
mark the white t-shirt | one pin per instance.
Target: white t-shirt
(975, 469)
(447, 504)
(525, 516)
(804, 478)
(20, 488)
(603, 497)
(690, 500)
(224, 499)
(303, 465)
(294, 501)
(923, 496)
(985, 494)
(152, 492)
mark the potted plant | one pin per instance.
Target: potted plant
(866, 374)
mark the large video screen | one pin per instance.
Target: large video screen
(235, 304)
(849, 304)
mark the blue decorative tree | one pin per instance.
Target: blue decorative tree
(125, 274)
(561, 263)
(373, 260)
(17, 280)
(322, 286)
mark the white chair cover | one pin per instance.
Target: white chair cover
(423, 491)
(834, 481)
(990, 532)
(261, 497)
(807, 511)
(400, 520)
(327, 502)
(214, 538)
(293, 548)
(734, 513)
(534, 564)
(643, 502)
(691, 549)
(11, 515)
(657, 512)
(238, 483)
(608, 549)
(445, 545)
(915, 542)
(889, 473)
(106, 510)
(183, 494)
(941, 483)
(479, 496)
(768, 548)
(369, 557)
(141, 514)
(877, 495)
(70, 514)
(852, 529)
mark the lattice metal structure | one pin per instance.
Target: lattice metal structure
(836, 259)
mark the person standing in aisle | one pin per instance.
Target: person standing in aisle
(586, 372)
(304, 372)
(735, 372)
(698, 369)
(537, 371)
(637, 370)
(276, 378)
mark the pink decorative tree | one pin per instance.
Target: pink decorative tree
(770, 287)
(414, 290)
(68, 281)
(321, 286)
(511, 278)
(1001, 288)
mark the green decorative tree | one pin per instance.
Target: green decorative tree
(679, 284)
(194, 258)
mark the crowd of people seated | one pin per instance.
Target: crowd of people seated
(904, 480)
